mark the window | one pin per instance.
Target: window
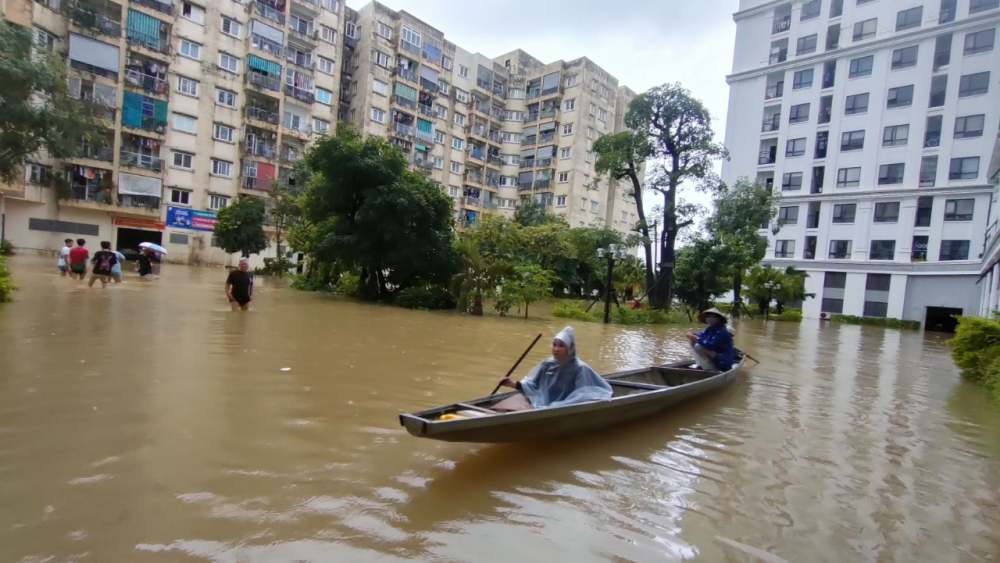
(822, 141)
(882, 250)
(187, 86)
(330, 5)
(976, 6)
(321, 125)
(593, 207)
(839, 249)
(327, 34)
(802, 79)
(895, 136)
(456, 144)
(324, 96)
(352, 116)
(223, 132)
(806, 45)
(565, 153)
(443, 86)
(216, 202)
(857, 103)
(905, 57)
(190, 49)
(939, 90)
(325, 65)
(380, 87)
(590, 133)
(791, 181)
(463, 71)
(954, 250)
(849, 177)
(959, 209)
(795, 147)
(446, 62)
(384, 30)
(563, 177)
(887, 212)
(183, 160)
(453, 191)
(225, 97)
(784, 249)
(836, 8)
(811, 10)
(799, 114)
(980, 42)
(861, 67)
(193, 12)
(229, 62)
(561, 201)
(925, 208)
(942, 51)
(829, 74)
(852, 141)
(438, 162)
(44, 40)
(593, 109)
(969, 126)
(222, 168)
(571, 81)
(459, 119)
(909, 19)
(461, 95)
(568, 129)
(844, 212)
(569, 105)
(889, 174)
(381, 59)
(442, 112)
(602, 114)
(180, 196)
(231, 27)
(899, 97)
(583, 204)
(932, 132)
(378, 115)
(439, 137)
(928, 171)
(185, 123)
(455, 168)
(865, 30)
(948, 9)
(974, 84)
(964, 168)
(788, 215)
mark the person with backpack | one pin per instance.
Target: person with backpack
(104, 261)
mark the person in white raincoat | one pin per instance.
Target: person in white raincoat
(562, 379)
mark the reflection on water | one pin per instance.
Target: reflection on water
(145, 422)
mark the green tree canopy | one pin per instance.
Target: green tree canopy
(703, 272)
(240, 226)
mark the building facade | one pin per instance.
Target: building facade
(207, 101)
(877, 122)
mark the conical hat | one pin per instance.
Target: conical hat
(715, 311)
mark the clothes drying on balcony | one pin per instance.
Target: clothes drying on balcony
(258, 63)
(94, 53)
(145, 29)
(90, 173)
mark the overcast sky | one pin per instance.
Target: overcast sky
(643, 43)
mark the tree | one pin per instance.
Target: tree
(286, 210)
(532, 213)
(239, 226)
(477, 276)
(702, 273)
(680, 136)
(628, 274)
(528, 283)
(36, 110)
(788, 284)
(741, 211)
(369, 212)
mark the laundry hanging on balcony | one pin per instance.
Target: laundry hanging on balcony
(133, 184)
(270, 67)
(404, 91)
(144, 29)
(267, 32)
(93, 53)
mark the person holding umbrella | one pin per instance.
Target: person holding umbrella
(144, 264)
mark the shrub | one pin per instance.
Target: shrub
(877, 321)
(311, 283)
(7, 286)
(623, 315)
(276, 266)
(432, 298)
(976, 349)
(348, 284)
(789, 315)
(6, 248)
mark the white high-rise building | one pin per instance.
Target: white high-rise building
(877, 120)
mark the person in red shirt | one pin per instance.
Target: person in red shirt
(78, 256)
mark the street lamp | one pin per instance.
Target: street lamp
(771, 286)
(612, 253)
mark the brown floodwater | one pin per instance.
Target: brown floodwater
(148, 423)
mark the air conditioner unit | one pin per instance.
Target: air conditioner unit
(315, 34)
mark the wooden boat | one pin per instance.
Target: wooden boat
(636, 394)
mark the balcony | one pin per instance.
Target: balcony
(779, 56)
(299, 59)
(260, 148)
(94, 70)
(261, 81)
(147, 83)
(350, 42)
(530, 118)
(547, 113)
(481, 108)
(774, 91)
(409, 47)
(161, 7)
(546, 138)
(529, 142)
(90, 191)
(473, 178)
(470, 201)
(402, 129)
(308, 34)
(267, 12)
(290, 154)
(532, 94)
(812, 220)
(426, 136)
(149, 123)
(299, 128)
(478, 130)
(300, 94)
(406, 103)
(150, 202)
(527, 163)
(491, 181)
(138, 160)
(406, 74)
(781, 25)
(157, 44)
(262, 114)
(476, 154)
(771, 124)
(423, 163)
(542, 183)
(265, 45)
(431, 87)
(94, 21)
(766, 157)
(94, 152)
(429, 111)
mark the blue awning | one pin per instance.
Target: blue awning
(264, 65)
(419, 147)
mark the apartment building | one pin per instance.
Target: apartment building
(877, 121)
(202, 102)
(490, 131)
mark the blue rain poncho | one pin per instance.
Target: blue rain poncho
(551, 384)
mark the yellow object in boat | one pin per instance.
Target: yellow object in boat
(450, 416)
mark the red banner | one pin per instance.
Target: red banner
(139, 223)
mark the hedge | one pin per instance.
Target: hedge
(877, 321)
(976, 351)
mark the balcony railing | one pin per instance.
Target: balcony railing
(781, 25)
(431, 87)
(406, 103)
(543, 183)
(547, 113)
(310, 33)
(404, 130)
(264, 44)
(479, 130)
(93, 69)
(476, 154)
(473, 178)
(350, 42)
(156, 5)
(261, 114)
(139, 160)
(546, 137)
(157, 44)
(260, 148)
(428, 110)
(300, 94)
(150, 123)
(812, 220)
(146, 82)
(532, 94)
(471, 201)
(90, 192)
(146, 201)
(774, 91)
(771, 124)
(425, 135)
(258, 80)
(529, 142)
(300, 128)
(423, 163)
(105, 154)
(290, 155)
(268, 12)
(97, 22)
(409, 47)
(766, 157)
(484, 84)
(527, 163)
(299, 59)
(491, 180)
(406, 74)
(543, 161)
(531, 118)
(778, 56)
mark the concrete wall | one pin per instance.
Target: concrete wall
(959, 292)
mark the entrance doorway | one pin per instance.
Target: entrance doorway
(129, 239)
(941, 319)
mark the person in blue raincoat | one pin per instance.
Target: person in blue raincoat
(562, 379)
(713, 347)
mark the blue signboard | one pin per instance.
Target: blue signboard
(195, 219)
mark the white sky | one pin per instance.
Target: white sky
(643, 43)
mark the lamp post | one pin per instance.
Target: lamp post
(611, 254)
(771, 286)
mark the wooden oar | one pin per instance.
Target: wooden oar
(517, 363)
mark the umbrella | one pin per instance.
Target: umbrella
(154, 247)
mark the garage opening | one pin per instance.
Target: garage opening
(941, 319)
(129, 239)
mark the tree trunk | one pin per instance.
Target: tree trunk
(525, 309)
(737, 287)
(647, 244)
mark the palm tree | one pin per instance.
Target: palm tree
(477, 277)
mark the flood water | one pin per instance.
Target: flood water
(147, 423)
